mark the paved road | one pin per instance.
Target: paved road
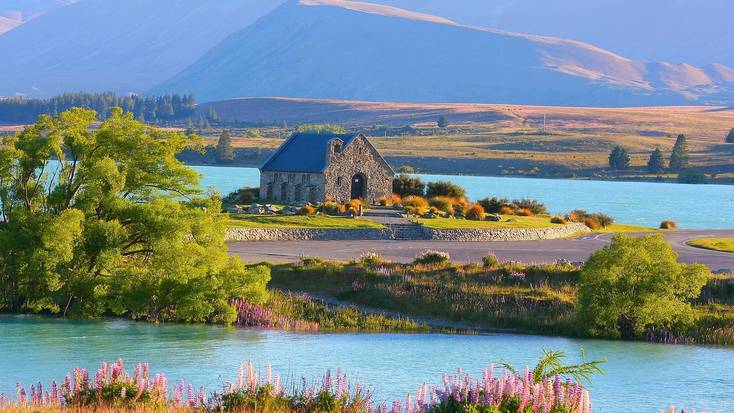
(577, 249)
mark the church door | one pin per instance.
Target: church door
(359, 186)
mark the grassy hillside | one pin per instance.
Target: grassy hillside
(495, 139)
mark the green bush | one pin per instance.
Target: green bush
(405, 185)
(444, 188)
(490, 261)
(243, 196)
(442, 203)
(692, 176)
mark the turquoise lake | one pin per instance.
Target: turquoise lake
(639, 203)
(639, 377)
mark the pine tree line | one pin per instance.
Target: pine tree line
(151, 109)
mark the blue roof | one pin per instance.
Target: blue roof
(304, 152)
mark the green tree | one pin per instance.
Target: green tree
(619, 158)
(405, 185)
(108, 221)
(442, 121)
(679, 157)
(444, 188)
(691, 176)
(189, 127)
(730, 136)
(635, 284)
(212, 115)
(656, 163)
(224, 151)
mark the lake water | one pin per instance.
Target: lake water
(639, 377)
(639, 203)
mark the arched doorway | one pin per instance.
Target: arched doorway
(359, 186)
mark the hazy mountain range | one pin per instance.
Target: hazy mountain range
(335, 49)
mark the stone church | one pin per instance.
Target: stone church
(310, 167)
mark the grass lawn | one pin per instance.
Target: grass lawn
(298, 221)
(520, 222)
(615, 228)
(716, 244)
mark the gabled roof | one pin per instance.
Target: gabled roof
(304, 152)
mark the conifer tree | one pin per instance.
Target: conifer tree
(656, 164)
(225, 151)
(679, 156)
(619, 158)
(730, 136)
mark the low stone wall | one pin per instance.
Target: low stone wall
(305, 234)
(461, 235)
(505, 234)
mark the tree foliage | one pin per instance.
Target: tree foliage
(730, 137)
(406, 185)
(149, 108)
(656, 163)
(635, 284)
(444, 188)
(442, 121)
(679, 157)
(224, 150)
(619, 158)
(108, 221)
(691, 176)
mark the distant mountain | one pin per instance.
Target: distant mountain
(13, 13)
(694, 32)
(683, 31)
(120, 46)
(338, 49)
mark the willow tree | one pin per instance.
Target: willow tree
(103, 219)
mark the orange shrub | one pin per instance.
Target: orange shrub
(355, 203)
(394, 199)
(307, 210)
(592, 224)
(443, 203)
(475, 212)
(415, 201)
(668, 225)
(557, 219)
(505, 210)
(524, 212)
(342, 209)
(383, 201)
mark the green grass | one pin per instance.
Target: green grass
(716, 244)
(520, 222)
(616, 228)
(299, 221)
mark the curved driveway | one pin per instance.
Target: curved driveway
(575, 249)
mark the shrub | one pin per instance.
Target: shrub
(342, 209)
(330, 208)
(603, 219)
(307, 210)
(383, 201)
(405, 185)
(356, 203)
(490, 261)
(557, 219)
(524, 212)
(394, 199)
(415, 201)
(444, 188)
(668, 225)
(494, 204)
(691, 176)
(505, 210)
(430, 257)
(370, 258)
(243, 196)
(591, 223)
(577, 215)
(475, 212)
(353, 212)
(442, 203)
(536, 207)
